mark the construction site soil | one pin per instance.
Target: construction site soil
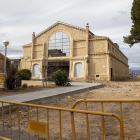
(112, 90)
(20, 90)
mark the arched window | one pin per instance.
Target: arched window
(78, 70)
(36, 70)
(59, 45)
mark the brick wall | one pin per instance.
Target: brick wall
(79, 48)
(96, 46)
(2, 65)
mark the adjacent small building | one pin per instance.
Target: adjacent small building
(13, 63)
(9, 63)
(84, 55)
(2, 58)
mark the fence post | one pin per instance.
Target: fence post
(73, 126)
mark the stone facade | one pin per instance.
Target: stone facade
(100, 58)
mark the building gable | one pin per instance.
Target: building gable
(62, 23)
(73, 32)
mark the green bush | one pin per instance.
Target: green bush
(25, 74)
(60, 78)
(24, 85)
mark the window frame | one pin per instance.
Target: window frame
(62, 40)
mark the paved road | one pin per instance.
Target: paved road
(23, 135)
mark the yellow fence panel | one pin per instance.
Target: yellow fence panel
(2, 138)
(102, 101)
(1, 78)
(43, 128)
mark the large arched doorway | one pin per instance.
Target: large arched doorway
(78, 70)
(35, 70)
(59, 46)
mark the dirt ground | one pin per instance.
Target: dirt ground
(32, 86)
(112, 90)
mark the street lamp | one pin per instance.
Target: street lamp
(25, 61)
(6, 43)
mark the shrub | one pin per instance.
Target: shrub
(24, 85)
(60, 78)
(10, 82)
(10, 79)
(25, 74)
(11, 72)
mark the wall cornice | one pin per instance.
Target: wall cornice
(78, 58)
(96, 39)
(26, 46)
(117, 59)
(36, 60)
(38, 44)
(116, 47)
(76, 40)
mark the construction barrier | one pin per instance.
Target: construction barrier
(1, 78)
(38, 128)
(102, 101)
(2, 138)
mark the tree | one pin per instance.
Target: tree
(134, 36)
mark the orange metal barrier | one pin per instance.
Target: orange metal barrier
(120, 101)
(2, 138)
(1, 78)
(42, 129)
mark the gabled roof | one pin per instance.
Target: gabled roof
(76, 27)
(2, 57)
(27, 44)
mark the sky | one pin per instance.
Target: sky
(111, 18)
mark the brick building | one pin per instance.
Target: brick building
(2, 57)
(77, 50)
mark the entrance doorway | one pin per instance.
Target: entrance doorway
(55, 66)
(78, 70)
(36, 70)
(111, 74)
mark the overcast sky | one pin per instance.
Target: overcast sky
(111, 18)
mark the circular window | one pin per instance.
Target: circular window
(59, 45)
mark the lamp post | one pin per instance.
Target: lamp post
(6, 43)
(25, 61)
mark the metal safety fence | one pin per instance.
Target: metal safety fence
(1, 78)
(102, 101)
(41, 129)
(2, 138)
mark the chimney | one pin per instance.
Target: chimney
(87, 28)
(116, 45)
(33, 37)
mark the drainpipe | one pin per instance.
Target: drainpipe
(87, 48)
